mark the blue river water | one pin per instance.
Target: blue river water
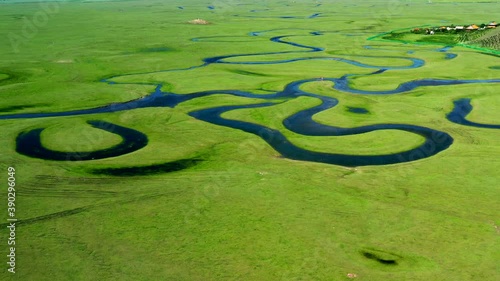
(462, 108)
(28, 143)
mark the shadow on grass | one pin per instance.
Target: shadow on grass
(249, 73)
(382, 260)
(19, 107)
(29, 144)
(11, 77)
(169, 167)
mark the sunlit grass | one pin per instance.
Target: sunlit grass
(243, 212)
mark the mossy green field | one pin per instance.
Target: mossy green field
(229, 206)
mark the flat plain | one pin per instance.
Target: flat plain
(255, 197)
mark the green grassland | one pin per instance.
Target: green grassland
(243, 212)
(484, 40)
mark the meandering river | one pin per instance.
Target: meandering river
(28, 143)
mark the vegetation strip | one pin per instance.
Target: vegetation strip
(435, 141)
(169, 167)
(29, 144)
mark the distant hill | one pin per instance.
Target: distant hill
(490, 40)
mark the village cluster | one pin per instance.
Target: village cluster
(454, 29)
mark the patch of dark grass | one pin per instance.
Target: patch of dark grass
(381, 257)
(445, 39)
(490, 54)
(156, 50)
(17, 107)
(169, 167)
(243, 72)
(358, 110)
(380, 260)
(29, 143)
(392, 36)
(12, 77)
